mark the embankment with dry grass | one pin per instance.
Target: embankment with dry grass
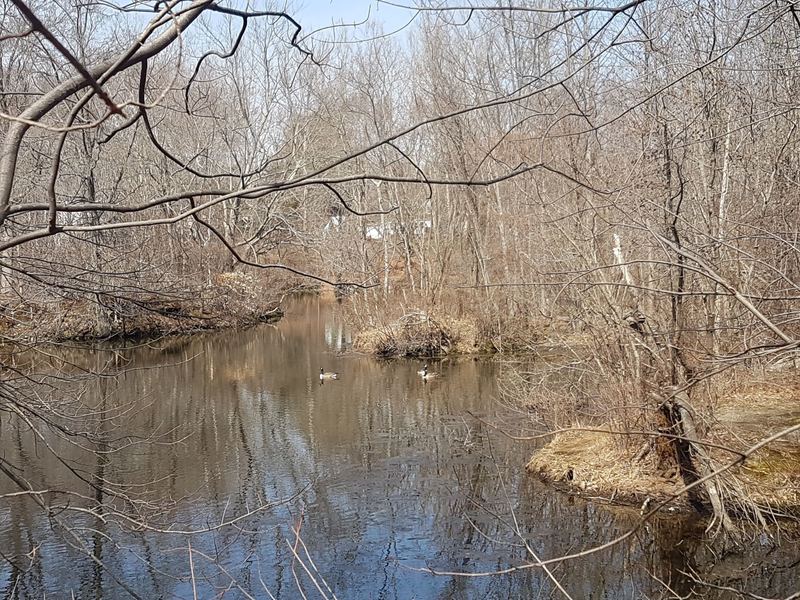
(419, 334)
(606, 466)
(631, 468)
(229, 300)
(405, 325)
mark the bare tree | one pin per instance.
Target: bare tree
(620, 178)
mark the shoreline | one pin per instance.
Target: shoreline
(631, 469)
(79, 323)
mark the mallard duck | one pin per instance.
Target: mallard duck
(324, 375)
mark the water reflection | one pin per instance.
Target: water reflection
(397, 477)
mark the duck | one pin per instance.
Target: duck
(425, 374)
(326, 375)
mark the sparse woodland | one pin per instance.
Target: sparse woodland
(620, 181)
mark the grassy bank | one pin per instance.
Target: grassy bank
(465, 323)
(604, 466)
(629, 468)
(228, 301)
(419, 334)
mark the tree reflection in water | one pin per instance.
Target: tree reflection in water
(397, 478)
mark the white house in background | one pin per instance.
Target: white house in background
(422, 226)
(379, 231)
(333, 223)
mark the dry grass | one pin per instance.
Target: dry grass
(759, 408)
(230, 300)
(421, 334)
(771, 478)
(746, 411)
(418, 334)
(602, 465)
(452, 322)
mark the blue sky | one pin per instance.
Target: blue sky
(313, 14)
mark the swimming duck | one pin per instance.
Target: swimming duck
(425, 374)
(324, 375)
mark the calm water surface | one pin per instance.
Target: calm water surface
(384, 474)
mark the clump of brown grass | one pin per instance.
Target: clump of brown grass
(741, 411)
(771, 478)
(419, 334)
(604, 465)
(413, 324)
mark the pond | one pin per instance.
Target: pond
(385, 476)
